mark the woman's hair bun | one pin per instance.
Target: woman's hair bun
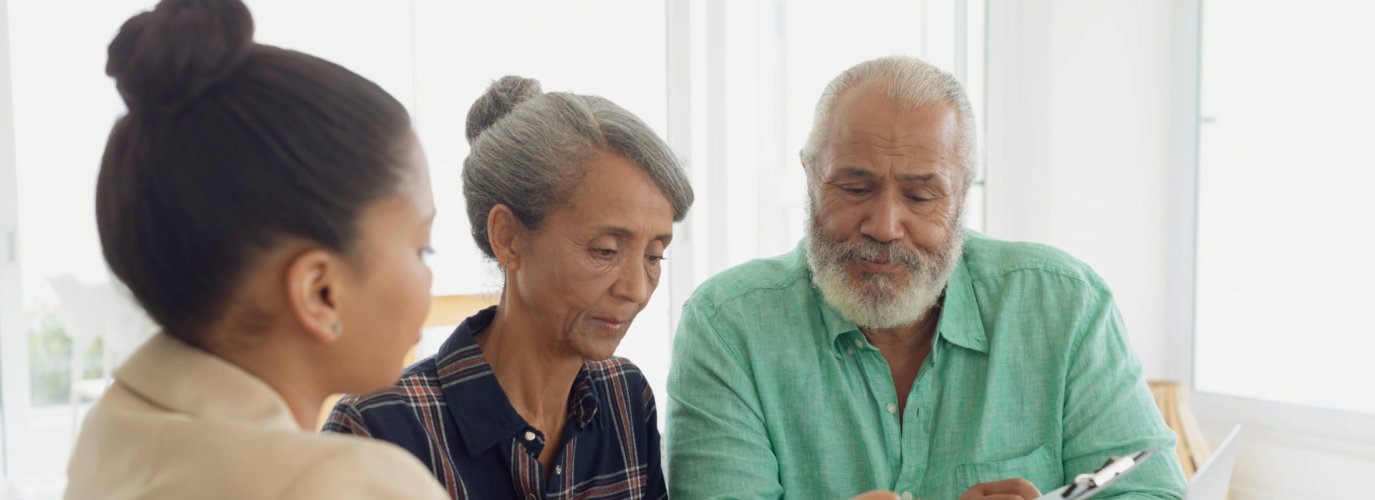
(501, 97)
(163, 59)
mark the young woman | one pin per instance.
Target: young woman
(269, 209)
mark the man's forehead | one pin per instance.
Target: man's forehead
(866, 144)
(866, 115)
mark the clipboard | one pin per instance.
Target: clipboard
(1087, 485)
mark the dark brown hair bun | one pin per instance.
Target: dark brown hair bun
(164, 58)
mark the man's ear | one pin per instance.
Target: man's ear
(810, 171)
(809, 176)
(504, 233)
(313, 288)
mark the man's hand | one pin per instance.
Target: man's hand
(1007, 489)
(877, 495)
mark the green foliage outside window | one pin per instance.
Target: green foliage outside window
(50, 358)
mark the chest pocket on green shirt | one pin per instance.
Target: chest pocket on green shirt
(1040, 467)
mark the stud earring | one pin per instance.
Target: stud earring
(337, 329)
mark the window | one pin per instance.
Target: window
(63, 327)
(1285, 233)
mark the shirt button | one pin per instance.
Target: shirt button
(859, 344)
(906, 495)
(892, 408)
(529, 436)
(558, 469)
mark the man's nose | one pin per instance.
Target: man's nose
(884, 221)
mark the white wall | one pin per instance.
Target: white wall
(1091, 149)
(1079, 144)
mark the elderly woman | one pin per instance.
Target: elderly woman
(575, 198)
(269, 210)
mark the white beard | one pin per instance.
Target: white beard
(879, 300)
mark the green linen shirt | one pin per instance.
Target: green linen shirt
(772, 394)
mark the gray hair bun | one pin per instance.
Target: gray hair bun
(501, 97)
(164, 58)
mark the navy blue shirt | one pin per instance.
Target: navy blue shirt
(450, 412)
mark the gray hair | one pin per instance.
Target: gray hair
(909, 82)
(529, 148)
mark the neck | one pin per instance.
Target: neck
(905, 349)
(305, 405)
(283, 369)
(919, 333)
(536, 379)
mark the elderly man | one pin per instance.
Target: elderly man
(893, 349)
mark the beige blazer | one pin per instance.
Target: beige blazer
(179, 423)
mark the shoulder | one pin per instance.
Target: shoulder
(1072, 302)
(759, 281)
(617, 371)
(620, 385)
(991, 260)
(173, 456)
(350, 467)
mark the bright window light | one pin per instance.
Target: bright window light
(1285, 224)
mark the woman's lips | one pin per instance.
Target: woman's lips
(612, 325)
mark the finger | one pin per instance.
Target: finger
(980, 496)
(877, 495)
(1007, 489)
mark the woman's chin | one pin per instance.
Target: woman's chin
(600, 347)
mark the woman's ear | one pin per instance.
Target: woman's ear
(313, 288)
(503, 233)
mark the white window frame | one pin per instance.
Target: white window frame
(1312, 427)
(14, 351)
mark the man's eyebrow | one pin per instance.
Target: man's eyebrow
(854, 172)
(859, 172)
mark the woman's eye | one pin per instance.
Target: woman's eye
(654, 259)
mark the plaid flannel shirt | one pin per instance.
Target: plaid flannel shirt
(450, 412)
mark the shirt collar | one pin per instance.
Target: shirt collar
(188, 380)
(959, 323)
(480, 409)
(582, 406)
(839, 330)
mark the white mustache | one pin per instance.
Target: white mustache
(875, 251)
